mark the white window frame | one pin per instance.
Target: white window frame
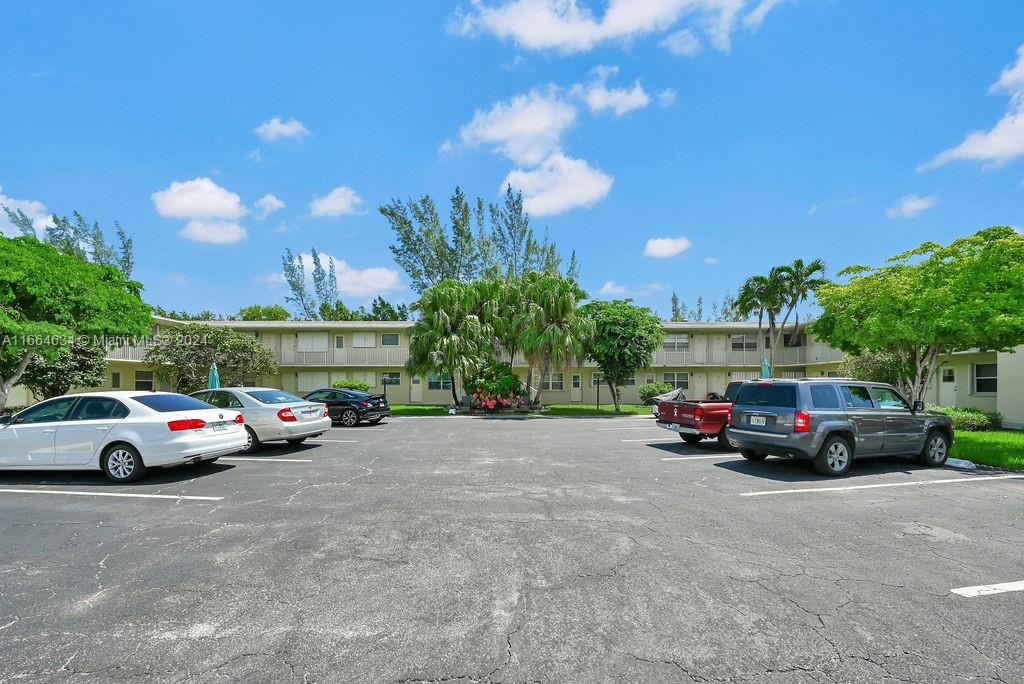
(676, 342)
(675, 381)
(748, 340)
(339, 341)
(115, 380)
(387, 376)
(398, 340)
(650, 379)
(550, 384)
(975, 377)
(596, 379)
(630, 382)
(443, 382)
(151, 380)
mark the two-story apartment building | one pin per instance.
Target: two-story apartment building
(699, 357)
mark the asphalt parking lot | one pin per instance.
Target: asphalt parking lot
(543, 549)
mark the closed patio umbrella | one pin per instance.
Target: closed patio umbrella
(213, 381)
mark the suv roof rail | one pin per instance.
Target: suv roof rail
(832, 379)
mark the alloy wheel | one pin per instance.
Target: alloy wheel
(837, 456)
(349, 418)
(121, 464)
(937, 449)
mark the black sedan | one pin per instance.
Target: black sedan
(350, 407)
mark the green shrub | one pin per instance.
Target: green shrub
(357, 385)
(494, 386)
(971, 419)
(653, 389)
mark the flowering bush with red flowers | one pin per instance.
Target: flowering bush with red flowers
(494, 387)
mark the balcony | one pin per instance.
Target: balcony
(126, 353)
(789, 356)
(373, 356)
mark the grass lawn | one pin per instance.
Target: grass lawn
(418, 410)
(999, 448)
(591, 410)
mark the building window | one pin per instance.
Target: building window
(984, 378)
(596, 379)
(677, 380)
(649, 378)
(630, 382)
(391, 378)
(389, 339)
(553, 381)
(364, 340)
(674, 343)
(144, 381)
(794, 340)
(743, 342)
(115, 380)
(339, 341)
(948, 375)
(438, 382)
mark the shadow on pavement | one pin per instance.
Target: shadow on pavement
(95, 478)
(792, 470)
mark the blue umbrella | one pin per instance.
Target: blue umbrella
(213, 381)
(766, 369)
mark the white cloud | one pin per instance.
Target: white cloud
(565, 26)
(527, 129)
(756, 16)
(213, 231)
(199, 198)
(558, 184)
(34, 209)
(178, 279)
(339, 201)
(599, 96)
(813, 209)
(255, 155)
(267, 205)
(712, 261)
(1004, 141)
(682, 43)
(359, 283)
(275, 129)
(665, 247)
(612, 288)
(667, 97)
(910, 206)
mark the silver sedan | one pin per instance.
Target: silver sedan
(271, 415)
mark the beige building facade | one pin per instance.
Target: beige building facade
(698, 357)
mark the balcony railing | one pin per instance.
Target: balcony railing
(377, 356)
(126, 353)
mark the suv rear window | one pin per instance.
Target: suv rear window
(166, 403)
(824, 397)
(767, 394)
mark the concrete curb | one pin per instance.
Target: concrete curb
(961, 464)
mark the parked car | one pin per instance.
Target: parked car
(121, 433)
(271, 415)
(675, 395)
(832, 421)
(351, 407)
(697, 420)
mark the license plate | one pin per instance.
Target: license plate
(758, 420)
(218, 427)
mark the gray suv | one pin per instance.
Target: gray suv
(832, 421)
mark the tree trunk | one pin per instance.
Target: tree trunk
(529, 381)
(7, 384)
(545, 370)
(455, 396)
(613, 389)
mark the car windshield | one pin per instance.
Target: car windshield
(165, 403)
(767, 394)
(272, 396)
(732, 390)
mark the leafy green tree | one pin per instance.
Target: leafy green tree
(75, 237)
(79, 364)
(47, 297)
(653, 389)
(516, 248)
(383, 310)
(759, 295)
(799, 281)
(294, 271)
(678, 309)
(183, 357)
(205, 315)
(448, 336)
(930, 301)
(358, 385)
(625, 339)
(873, 366)
(270, 312)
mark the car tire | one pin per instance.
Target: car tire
(834, 458)
(297, 441)
(752, 455)
(690, 439)
(936, 449)
(375, 421)
(349, 418)
(122, 463)
(723, 441)
(208, 461)
(252, 442)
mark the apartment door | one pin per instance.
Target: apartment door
(947, 387)
(718, 383)
(576, 393)
(416, 390)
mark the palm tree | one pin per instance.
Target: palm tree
(760, 294)
(556, 333)
(798, 282)
(449, 336)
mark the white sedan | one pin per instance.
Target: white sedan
(121, 433)
(271, 415)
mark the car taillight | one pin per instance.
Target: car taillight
(728, 417)
(239, 419)
(327, 414)
(698, 413)
(186, 424)
(286, 415)
(364, 403)
(802, 421)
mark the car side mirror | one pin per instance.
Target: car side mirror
(5, 420)
(918, 406)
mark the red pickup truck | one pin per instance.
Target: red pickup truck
(697, 420)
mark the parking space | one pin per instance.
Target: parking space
(483, 549)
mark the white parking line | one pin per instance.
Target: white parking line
(654, 439)
(269, 460)
(335, 441)
(176, 497)
(697, 458)
(986, 589)
(648, 427)
(954, 480)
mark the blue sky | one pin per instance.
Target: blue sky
(758, 130)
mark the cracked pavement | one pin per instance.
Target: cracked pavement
(535, 550)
